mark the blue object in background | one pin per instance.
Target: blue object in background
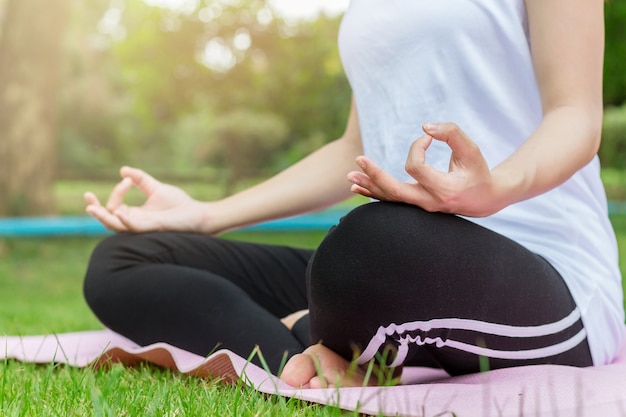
(88, 226)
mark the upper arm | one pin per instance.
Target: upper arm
(567, 46)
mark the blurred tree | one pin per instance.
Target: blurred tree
(3, 4)
(30, 61)
(151, 83)
(189, 139)
(244, 140)
(289, 68)
(131, 88)
(613, 149)
(615, 53)
(94, 108)
(222, 56)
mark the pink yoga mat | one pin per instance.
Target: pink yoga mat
(538, 391)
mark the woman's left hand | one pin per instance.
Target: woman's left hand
(468, 188)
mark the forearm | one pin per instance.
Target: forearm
(315, 182)
(567, 56)
(565, 141)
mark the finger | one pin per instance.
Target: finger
(362, 184)
(371, 170)
(90, 198)
(464, 148)
(416, 158)
(141, 179)
(429, 179)
(117, 195)
(122, 213)
(363, 191)
(138, 220)
(384, 186)
(125, 215)
(361, 180)
(416, 165)
(108, 219)
(100, 213)
(380, 182)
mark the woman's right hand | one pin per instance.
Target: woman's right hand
(167, 208)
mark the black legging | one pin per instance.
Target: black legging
(198, 292)
(439, 286)
(436, 288)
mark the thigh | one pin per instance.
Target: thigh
(273, 276)
(436, 284)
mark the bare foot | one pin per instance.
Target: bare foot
(320, 367)
(291, 319)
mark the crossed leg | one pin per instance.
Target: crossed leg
(430, 287)
(199, 293)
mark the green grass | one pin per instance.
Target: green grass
(40, 292)
(31, 390)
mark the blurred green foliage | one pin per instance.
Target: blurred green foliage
(615, 53)
(222, 90)
(613, 149)
(614, 180)
(248, 140)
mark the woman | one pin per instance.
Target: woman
(491, 243)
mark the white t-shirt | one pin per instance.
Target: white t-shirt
(468, 61)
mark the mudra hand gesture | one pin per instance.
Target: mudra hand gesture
(468, 188)
(166, 207)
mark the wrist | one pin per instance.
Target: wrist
(510, 186)
(221, 216)
(211, 220)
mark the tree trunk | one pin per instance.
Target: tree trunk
(30, 61)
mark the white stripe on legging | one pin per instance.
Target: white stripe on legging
(478, 326)
(544, 352)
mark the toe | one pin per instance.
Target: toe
(299, 371)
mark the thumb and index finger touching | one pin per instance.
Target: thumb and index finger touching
(146, 182)
(461, 145)
(130, 176)
(465, 155)
(115, 203)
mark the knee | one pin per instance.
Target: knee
(372, 248)
(370, 234)
(376, 224)
(357, 250)
(108, 255)
(352, 273)
(111, 256)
